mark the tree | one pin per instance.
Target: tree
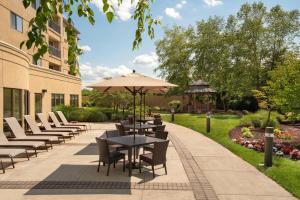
(284, 84)
(49, 8)
(234, 55)
(174, 52)
(265, 99)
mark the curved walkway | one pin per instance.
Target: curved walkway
(216, 173)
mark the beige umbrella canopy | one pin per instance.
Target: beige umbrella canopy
(135, 83)
(132, 82)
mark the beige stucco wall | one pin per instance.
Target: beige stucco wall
(17, 72)
(14, 37)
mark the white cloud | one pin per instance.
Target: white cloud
(86, 48)
(93, 74)
(171, 12)
(181, 4)
(213, 3)
(123, 12)
(146, 60)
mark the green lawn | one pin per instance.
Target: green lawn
(284, 171)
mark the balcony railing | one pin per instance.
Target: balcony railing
(55, 26)
(54, 51)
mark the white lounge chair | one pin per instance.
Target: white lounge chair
(20, 135)
(11, 153)
(58, 125)
(4, 142)
(37, 131)
(48, 127)
(66, 123)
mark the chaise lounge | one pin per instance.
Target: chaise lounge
(37, 131)
(11, 153)
(66, 123)
(20, 135)
(48, 127)
(4, 142)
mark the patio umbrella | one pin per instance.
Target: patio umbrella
(134, 83)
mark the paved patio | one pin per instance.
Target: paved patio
(198, 168)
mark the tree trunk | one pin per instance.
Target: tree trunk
(269, 116)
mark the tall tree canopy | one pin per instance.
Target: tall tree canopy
(236, 54)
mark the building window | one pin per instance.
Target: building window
(74, 100)
(16, 22)
(38, 103)
(35, 4)
(57, 99)
(54, 67)
(12, 103)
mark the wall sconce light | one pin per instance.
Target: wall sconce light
(44, 91)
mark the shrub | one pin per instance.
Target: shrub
(262, 115)
(156, 108)
(91, 114)
(257, 123)
(246, 132)
(96, 116)
(175, 104)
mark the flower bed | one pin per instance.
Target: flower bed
(286, 140)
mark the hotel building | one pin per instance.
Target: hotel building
(26, 86)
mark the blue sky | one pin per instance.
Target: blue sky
(108, 47)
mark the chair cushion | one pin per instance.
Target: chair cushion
(115, 155)
(148, 147)
(147, 157)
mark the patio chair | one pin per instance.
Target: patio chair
(114, 133)
(122, 130)
(20, 135)
(37, 131)
(157, 157)
(4, 142)
(11, 153)
(58, 125)
(161, 135)
(159, 128)
(66, 123)
(108, 157)
(48, 127)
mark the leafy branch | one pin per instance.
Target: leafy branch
(48, 9)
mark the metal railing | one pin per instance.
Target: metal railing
(54, 51)
(54, 26)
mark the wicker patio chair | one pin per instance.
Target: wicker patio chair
(114, 133)
(108, 157)
(159, 128)
(161, 135)
(157, 157)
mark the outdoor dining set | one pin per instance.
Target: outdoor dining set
(154, 144)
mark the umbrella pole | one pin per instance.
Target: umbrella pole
(144, 105)
(141, 100)
(134, 94)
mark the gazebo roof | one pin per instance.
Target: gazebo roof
(199, 83)
(195, 90)
(199, 86)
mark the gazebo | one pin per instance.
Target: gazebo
(200, 97)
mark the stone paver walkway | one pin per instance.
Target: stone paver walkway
(198, 168)
(218, 173)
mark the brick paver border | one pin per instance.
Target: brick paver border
(92, 185)
(200, 185)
